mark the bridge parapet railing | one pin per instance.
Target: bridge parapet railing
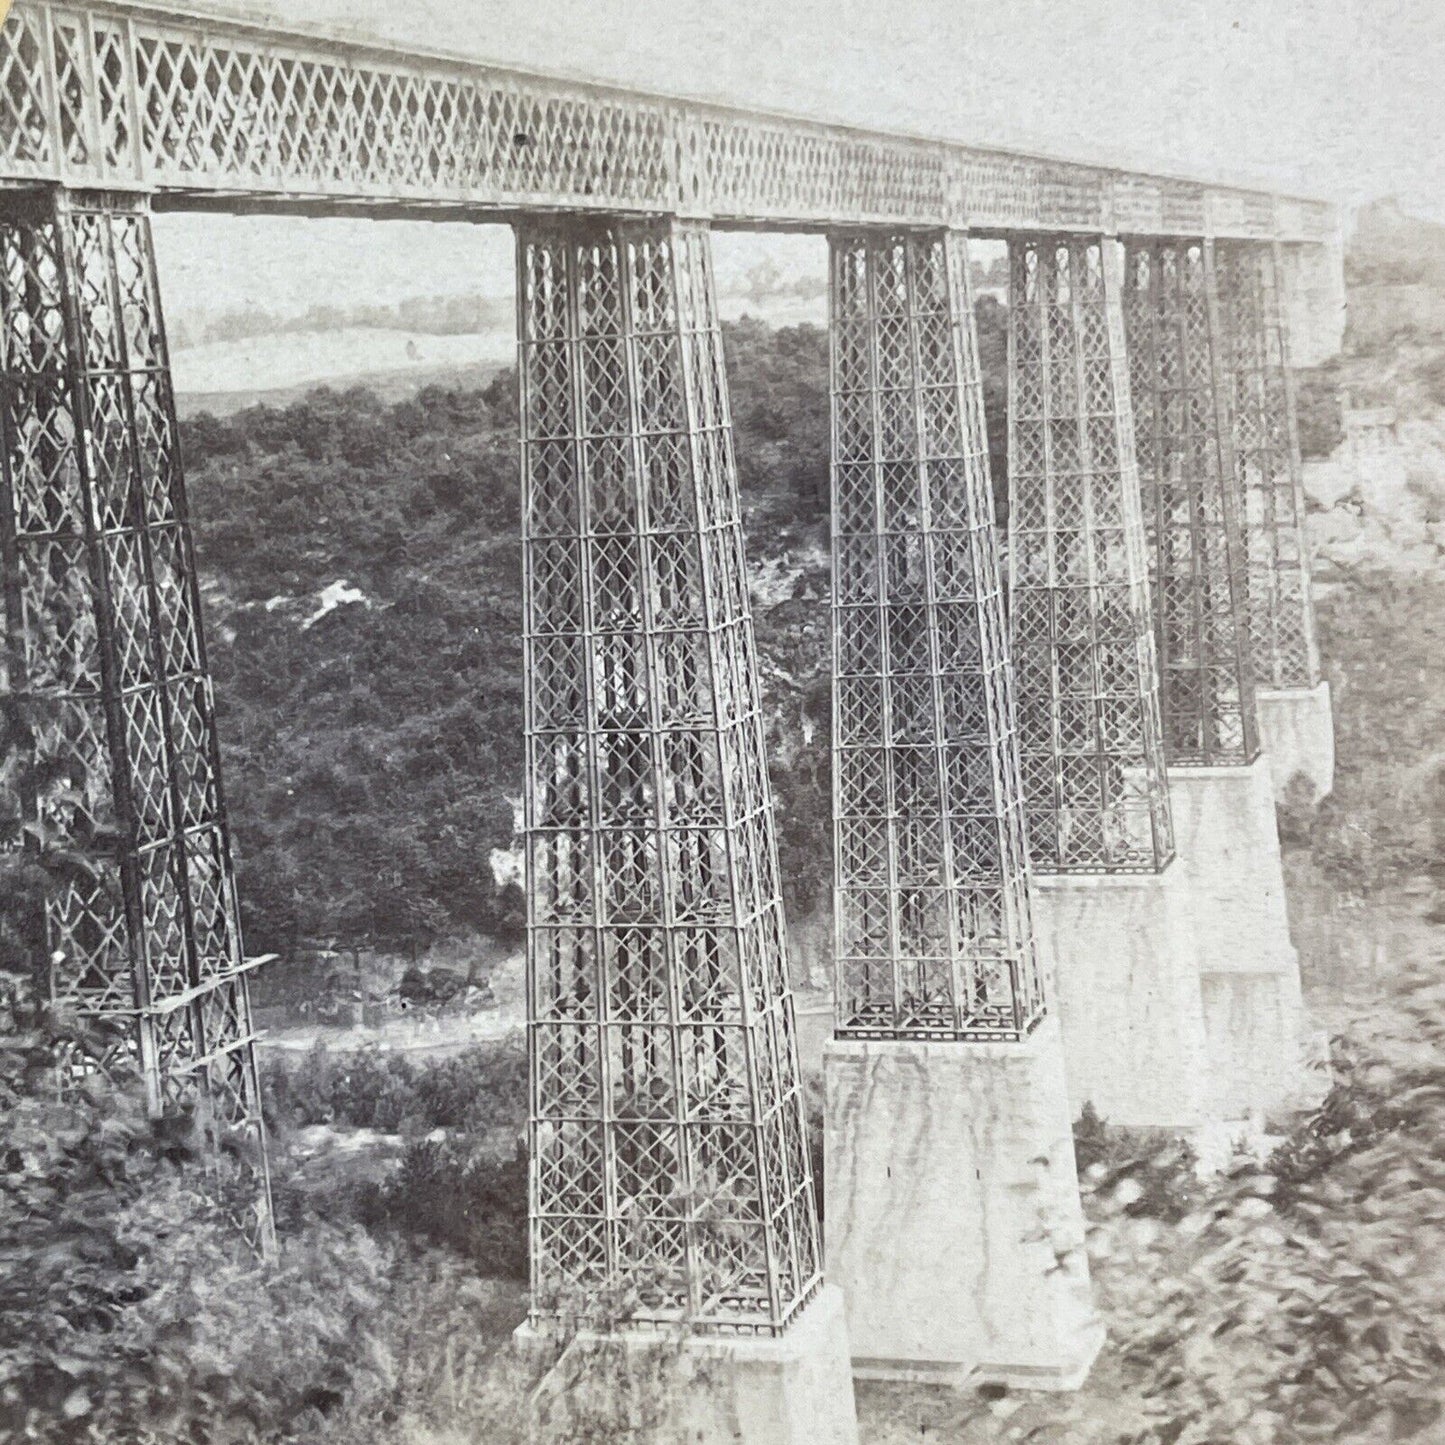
(789, 171)
(1241, 215)
(122, 100)
(205, 110)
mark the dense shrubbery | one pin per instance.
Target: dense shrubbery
(1383, 637)
(129, 1309)
(1161, 1172)
(1299, 1302)
(369, 755)
(459, 1193)
(1320, 412)
(778, 384)
(479, 1090)
(461, 1179)
(128, 1313)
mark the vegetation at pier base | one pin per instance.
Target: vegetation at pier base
(127, 1312)
(362, 581)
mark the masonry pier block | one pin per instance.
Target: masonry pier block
(1224, 828)
(649, 1387)
(1235, 924)
(1297, 731)
(953, 1224)
(1126, 983)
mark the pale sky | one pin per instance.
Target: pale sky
(1334, 97)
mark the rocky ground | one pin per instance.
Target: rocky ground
(1379, 501)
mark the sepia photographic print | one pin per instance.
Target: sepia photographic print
(721, 722)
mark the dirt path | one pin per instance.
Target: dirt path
(438, 1036)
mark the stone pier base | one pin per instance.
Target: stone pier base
(1297, 733)
(1264, 1059)
(1234, 922)
(1126, 983)
(953, 1224)
(649, 1388)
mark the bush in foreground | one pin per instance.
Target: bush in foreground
(129, 1309)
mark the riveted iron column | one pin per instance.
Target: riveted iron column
(1266, 445)
(1178, 378)
(945, 1097)
(670, 1181)
(933, 931)
(107, 688)
(56, 768)
(1234, 936)
(1082, 635)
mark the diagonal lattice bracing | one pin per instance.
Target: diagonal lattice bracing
(933, 938)
(1281, 610)
(670, 1180)
(111, 745)
(1080, 627)
(210, 110)
(1183, 430)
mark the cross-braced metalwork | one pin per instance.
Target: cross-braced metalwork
(1178, 373)
(1266, 446)
(111, 730)
(1082, 639)
(669, 1172)
(218, 110)
(933, 932)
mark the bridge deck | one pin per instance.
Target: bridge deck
(207, 112)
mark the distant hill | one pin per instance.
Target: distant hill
(1395, 274)
(386, 387)
(223, 363)
(1391, 248)
(224, 376)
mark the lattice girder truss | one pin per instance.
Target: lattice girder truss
(1283, 647)
(669, 1173)
(220, 110)
(1081, 631)
(1179, 383)
(933, 933)
(111, 751)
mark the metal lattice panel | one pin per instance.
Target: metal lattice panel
(932, 928)
(1082, 637)
(669, 1171)
(789, 170)
(1004, 191)
(105, 665)
(204, 108)
(1183, 430)
(1281, 609)
(1240, 213)
(57, 771)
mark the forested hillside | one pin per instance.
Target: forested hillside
(368, 749)
(362, 570)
